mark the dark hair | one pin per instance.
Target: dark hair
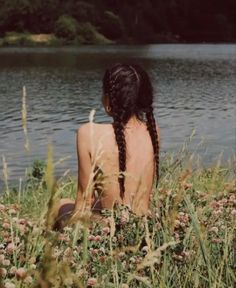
(130, 93)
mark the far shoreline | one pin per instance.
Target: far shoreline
(28, 40)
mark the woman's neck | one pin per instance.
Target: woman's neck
(133, 122)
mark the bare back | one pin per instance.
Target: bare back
(102, 152)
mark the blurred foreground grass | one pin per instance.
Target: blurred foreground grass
(188, 240)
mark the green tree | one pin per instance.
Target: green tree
(66, 27)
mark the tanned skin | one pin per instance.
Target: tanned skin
(96, 147)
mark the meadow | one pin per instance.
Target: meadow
(187, 240)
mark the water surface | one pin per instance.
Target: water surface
(195, 89)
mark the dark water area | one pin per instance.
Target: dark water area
(195, 89)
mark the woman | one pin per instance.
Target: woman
(118, 162)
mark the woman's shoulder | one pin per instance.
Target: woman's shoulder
(90, 134)
(91, 127)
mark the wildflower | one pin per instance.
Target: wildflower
(3, 272)
(138, 260)
(106, 230)
(21, 228)
(124, 217)
(91, 237)
(120, 238)
(12, 211)
(12, 270)
(15, 206)
(186, 254)
(102, 259)
(14, 219)
(124, 264)
(218, 212)
(233, 212)
(92, 282)
(10, 248)
(214, 229)
(6, 262)
(17, 240)
(21, 273)
(102, 250)
(224, 201)
(114, 239)
(10, 285)
(168, 192)
(177, 223)
(145, 249)
(28, 280)
(62, 237)
(232, 199)
(216, 240)
(182, 224)
(6, 234)
(33, 266)
(121, 255)
(32, 260)
(67, 229)
(68, 252)
(98, 238)
(178, 257)
(214, 204)
(132, 259)
(93, 252)
(22, 221)
(2, 207)
(68, 282)
(6, 225)
(187, 186)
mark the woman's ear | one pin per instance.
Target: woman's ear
(106, 104)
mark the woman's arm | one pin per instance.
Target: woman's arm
(83, 198)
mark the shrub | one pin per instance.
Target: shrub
(36, 174)
(88, 34)
(66, 27)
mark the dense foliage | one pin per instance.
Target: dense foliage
(146, 21)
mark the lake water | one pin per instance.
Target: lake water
(195, 88)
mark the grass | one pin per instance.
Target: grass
(188, 240)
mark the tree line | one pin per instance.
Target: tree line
(131, 21)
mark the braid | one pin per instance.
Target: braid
(121, 143)
(151, 126)
(118, 127)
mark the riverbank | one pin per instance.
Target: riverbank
(187, 240)
(13, 39)
(88, 36)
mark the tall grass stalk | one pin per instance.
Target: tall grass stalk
(5, 175)
(24, 119)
